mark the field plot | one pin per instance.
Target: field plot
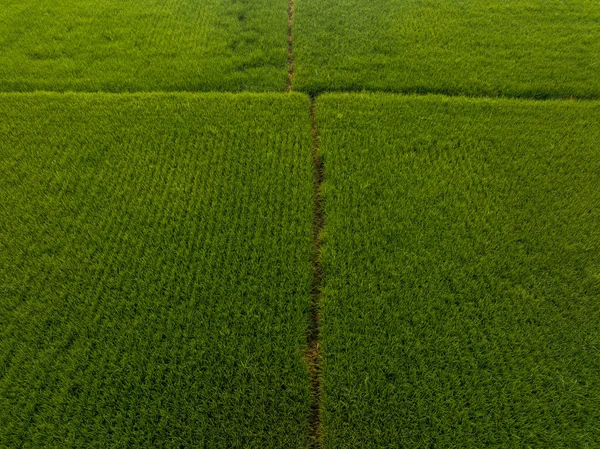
(461, 265)
(155, 270)
(521, 48)
(149, 45)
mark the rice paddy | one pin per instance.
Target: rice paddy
(515, 48)
(155, 270)
(299, 224)
(460, 260)
(147, 45)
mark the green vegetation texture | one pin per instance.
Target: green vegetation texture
(148, 45)
(523, 48)
(461, 265)
(155, 270)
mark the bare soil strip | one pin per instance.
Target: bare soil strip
(290, 78)
(313, 353)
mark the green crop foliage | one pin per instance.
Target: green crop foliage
(155, 270)
(143, 45)
(522, 48)
(461, 265)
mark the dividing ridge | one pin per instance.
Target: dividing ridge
(314, 356)
(290, 78)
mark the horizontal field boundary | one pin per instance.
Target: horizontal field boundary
(447, 93)
(312, 95)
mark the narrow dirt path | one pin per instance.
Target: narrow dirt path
(290, 78)
(313, 354)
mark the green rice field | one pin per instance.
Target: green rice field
(155, 270)
(462, 264)
(300, 224)
(143, 45)
(517, 48)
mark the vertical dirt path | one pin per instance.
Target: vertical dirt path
(313, 351)
(313, 354)
(290, 78)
